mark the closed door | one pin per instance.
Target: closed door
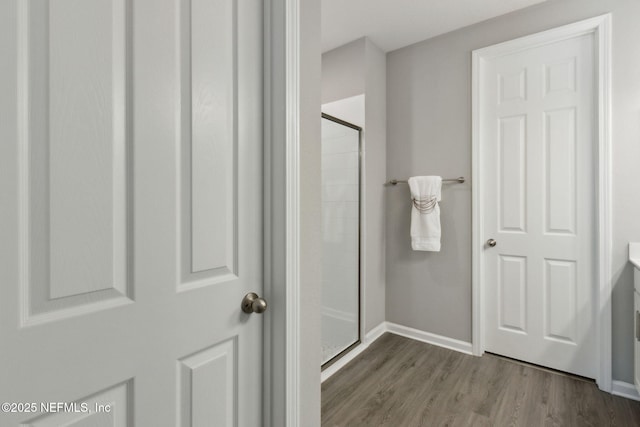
(130, 155)
(537, 124)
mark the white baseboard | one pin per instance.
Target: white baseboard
(405, 331)
(623, 389)
(375, 333)
(429, 338)
(618, 388)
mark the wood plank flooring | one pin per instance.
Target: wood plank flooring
(400, 382)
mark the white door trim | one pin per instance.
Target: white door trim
(600, 27)
(282, 340)
(292, 111)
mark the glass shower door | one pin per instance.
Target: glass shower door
(341, 238)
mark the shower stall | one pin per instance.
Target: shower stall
(341, 238)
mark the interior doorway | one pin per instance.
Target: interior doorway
(540, 200)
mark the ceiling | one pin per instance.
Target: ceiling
(392, 24)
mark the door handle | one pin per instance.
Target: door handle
(252, 303)
(637, 325)
(491, 243)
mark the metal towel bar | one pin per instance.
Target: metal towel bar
(458, 180)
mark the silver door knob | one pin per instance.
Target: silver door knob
(491, 243)
(252, 303)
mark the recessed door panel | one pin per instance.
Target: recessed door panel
(513, 174)
(75, 159)
(560, 171)
(107, 408)
(212, 93)
(208, 389)
(560, 302)
(512, 86)
(513, 293)
(560, 77)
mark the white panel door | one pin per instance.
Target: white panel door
(130, 212)
(537, 109)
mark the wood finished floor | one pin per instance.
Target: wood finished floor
(400, 382)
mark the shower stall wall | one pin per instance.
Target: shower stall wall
(341, 238)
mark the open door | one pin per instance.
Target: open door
(131, 212)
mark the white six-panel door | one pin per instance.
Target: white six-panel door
(130, 211)
(537, 127)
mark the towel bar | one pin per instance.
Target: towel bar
(458, 180)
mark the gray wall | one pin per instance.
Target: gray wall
(375, 169)
(429, 132)
(343, 71)
(310, 212)
(359, 68)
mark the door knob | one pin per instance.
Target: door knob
(252, 303)
(491, 242)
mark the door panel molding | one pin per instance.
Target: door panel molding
(600, 28)
(119, 414)
(66, 269)
(209, 372)
(292, 167)
(209, 73)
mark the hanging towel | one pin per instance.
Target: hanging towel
(425, 212)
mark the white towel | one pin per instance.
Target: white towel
(425, 225)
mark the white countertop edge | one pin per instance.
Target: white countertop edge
(634, 254)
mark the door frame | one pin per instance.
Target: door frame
(600, 27)
(281, 379)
